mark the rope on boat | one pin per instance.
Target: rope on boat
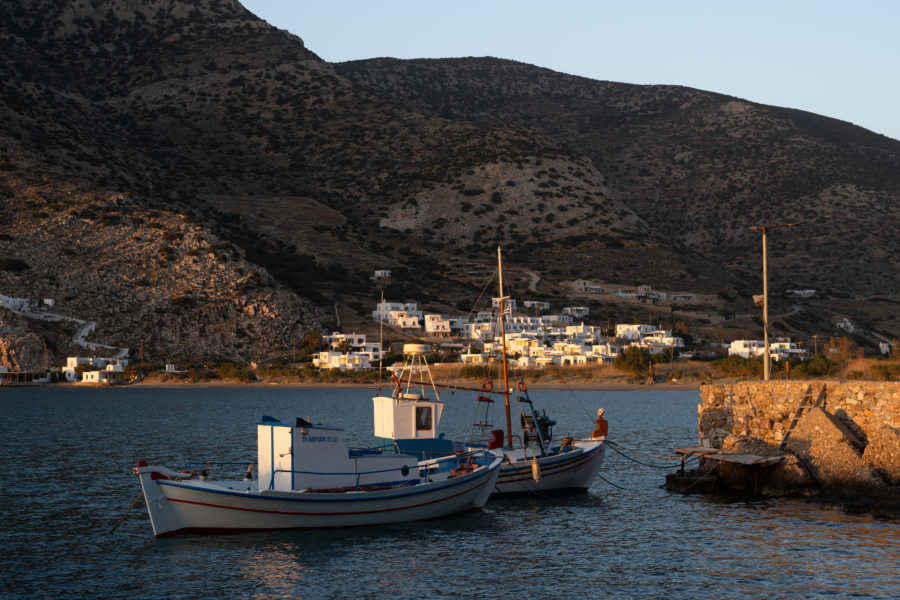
(481, 295)
(616, 447)
(604, 479)
(122, 518)
(581, 404)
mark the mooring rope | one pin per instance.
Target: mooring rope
(602, 478)
(613, 445)
(122, 518)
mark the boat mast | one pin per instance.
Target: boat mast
(509, 438)
(380, 339)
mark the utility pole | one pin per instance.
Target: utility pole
(764, 229)
(815, 345)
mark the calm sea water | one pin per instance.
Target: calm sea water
(65, 480)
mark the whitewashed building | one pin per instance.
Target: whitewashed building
(94, 362)
(338, 360)
(577, 312)
(634, 331)
(509, 304)
(781, 348)
(112, 372)
(437, 326)
(358, 345)
(384, 309)
(587, 287)
(536, 305)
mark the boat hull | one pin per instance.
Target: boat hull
(213, 507)
(575, 470)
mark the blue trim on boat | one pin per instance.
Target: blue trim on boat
(429, 447)
(525, 465)
(256, 495)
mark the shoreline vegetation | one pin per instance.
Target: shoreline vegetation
(657, 376)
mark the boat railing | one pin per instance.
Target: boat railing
(206, 466)
(405, 470)
(207, 463)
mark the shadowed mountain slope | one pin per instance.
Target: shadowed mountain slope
(237, 151)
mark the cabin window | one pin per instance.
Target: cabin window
(423, 417)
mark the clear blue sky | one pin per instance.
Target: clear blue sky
(840, 59)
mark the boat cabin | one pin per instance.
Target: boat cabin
(409, 422)
(305, 456)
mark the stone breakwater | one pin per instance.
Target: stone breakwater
(845, 440)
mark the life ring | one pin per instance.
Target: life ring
(521, 386)
(487, 386)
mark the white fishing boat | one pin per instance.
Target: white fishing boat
(408, 421)
(306, 477)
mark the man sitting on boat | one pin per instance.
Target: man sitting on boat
(602, 425)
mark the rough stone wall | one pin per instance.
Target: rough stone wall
(851, 441)
(763, 410)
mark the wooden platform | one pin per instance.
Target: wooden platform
(750, 460)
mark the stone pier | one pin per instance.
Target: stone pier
(844, 440)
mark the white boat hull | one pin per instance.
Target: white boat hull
(575, 470)
(191, 506)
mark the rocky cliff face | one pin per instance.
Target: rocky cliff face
(20, 349)
(143, 275)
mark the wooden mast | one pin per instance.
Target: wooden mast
(509, 438)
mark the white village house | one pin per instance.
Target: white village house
(778, 349)
(361, 355)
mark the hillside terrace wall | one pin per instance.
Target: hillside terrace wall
(763, 410)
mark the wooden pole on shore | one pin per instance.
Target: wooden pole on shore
(764, 229)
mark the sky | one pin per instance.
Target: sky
(839, 59)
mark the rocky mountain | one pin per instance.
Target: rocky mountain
(147, 277)
(191, 177)
(700, 168)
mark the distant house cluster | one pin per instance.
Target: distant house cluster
(532, 340)
(348, 351)
(98, 370)
(641, 294)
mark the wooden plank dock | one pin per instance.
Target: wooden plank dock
(707, 482)
(749, 460)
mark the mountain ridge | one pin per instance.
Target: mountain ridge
(316, 174)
